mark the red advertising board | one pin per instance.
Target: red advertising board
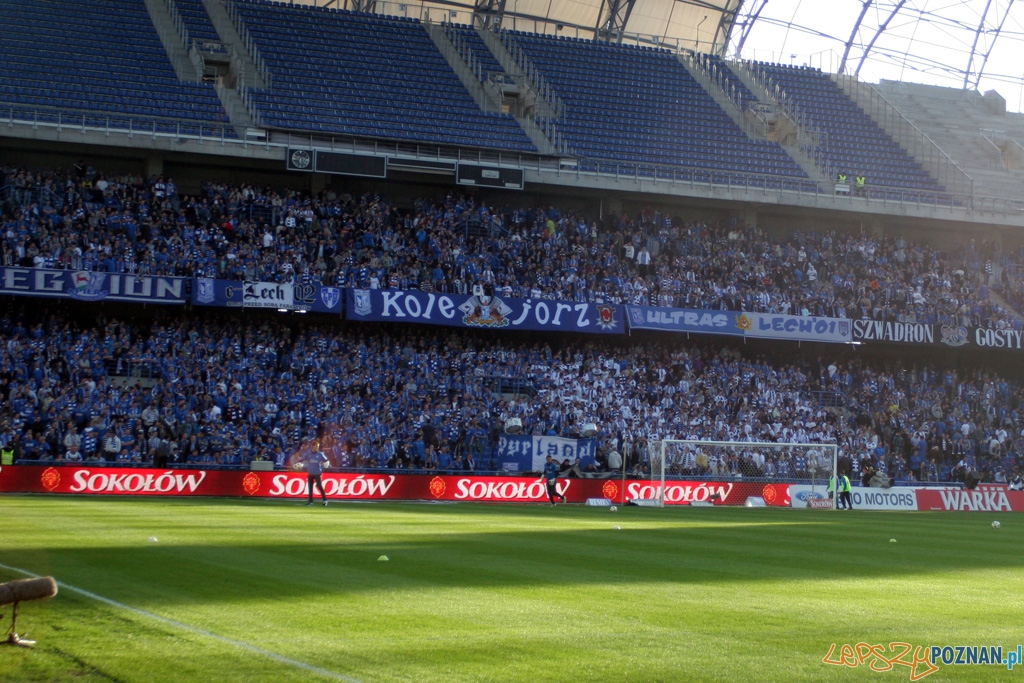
(985, 498)
(345, 486)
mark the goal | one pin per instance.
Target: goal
(809, 465)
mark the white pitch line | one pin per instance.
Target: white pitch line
(192, 629)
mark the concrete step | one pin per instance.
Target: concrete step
(245, 63)
(173, 41)
(238, 113)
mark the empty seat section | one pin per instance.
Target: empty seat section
(638, 105)
(851, 142)
(197, 21)
(730, 81)
(101, 60)
(341, 72)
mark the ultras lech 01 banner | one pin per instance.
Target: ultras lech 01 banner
(482, 311)
(349, 486)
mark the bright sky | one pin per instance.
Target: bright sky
(926, 41)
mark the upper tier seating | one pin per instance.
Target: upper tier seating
(359, 74)
(852, 142)
(641, 105)
(730, 81)
(101, 60)
(475, 44)
(197, 21)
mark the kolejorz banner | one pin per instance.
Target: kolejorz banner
(482, 312)
(89, 285)
(239, 294)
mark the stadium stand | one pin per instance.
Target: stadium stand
(226, 388)
(848, 140)
(475, 46)
(98, 63)
(640, 106)
(358, 74)
(126, 224)
(197, 21)
(730, 82)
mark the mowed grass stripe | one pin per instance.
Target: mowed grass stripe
(506, 593)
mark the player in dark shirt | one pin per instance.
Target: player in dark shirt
(551, 477)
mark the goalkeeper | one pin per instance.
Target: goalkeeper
(314, 462)
(550, 475)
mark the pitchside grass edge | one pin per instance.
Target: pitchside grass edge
(499, 593)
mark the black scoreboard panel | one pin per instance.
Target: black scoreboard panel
(489, 176)
(351, 164)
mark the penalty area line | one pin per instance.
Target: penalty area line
(192, 629)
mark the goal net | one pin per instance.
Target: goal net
(809, 465)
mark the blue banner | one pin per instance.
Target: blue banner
(797, 327)
(206, 291)
(524, 453)
(482, 312)
(683, 320)
(318, 298)
(88, 285)
(238, 294)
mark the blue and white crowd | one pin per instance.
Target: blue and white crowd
(227, 388)
(81, 219)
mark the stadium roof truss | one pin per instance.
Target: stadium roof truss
(946, 42)
(956, 43)
(702, 25)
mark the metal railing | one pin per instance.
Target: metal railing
(248, 42)
(537, 80)
(782, 189)
(905, 134)
(111, 124)
(810, 137)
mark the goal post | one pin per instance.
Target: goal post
(809, 464)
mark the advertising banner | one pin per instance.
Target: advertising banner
(796, 327)
(87, 285)
(522, 453)
(482, 312)
(683, 320)
(895, 498)
(349, 486)
(985, 498)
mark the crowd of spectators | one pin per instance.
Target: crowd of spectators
(82, 219)
(226, 388)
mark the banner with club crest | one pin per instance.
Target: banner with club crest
(482, 311)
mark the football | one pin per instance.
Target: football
(995, 524)
(615, 509)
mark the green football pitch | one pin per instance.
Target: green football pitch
(252, 590)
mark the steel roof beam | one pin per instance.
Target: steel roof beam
(488, 14)
(612, 20)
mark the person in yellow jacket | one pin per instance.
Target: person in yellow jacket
(845, 497)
